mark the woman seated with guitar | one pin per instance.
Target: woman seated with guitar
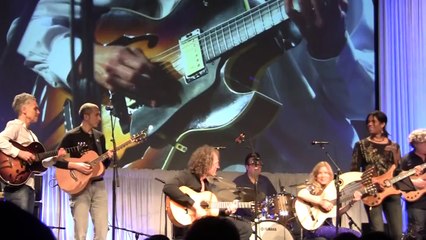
(316, 205)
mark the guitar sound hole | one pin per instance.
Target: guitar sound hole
(204, 205)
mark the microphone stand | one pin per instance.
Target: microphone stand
(352, 222)
(115, 182)
(165, 211)
(137, 234)
(337, 185)
(256, 178)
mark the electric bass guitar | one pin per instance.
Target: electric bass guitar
(73, 181)
(15, 171)
(312, 216)
(182, 216)
(384, 185)
(413, 196)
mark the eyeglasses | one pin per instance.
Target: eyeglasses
(257, 163)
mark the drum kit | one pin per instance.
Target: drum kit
(276, 217)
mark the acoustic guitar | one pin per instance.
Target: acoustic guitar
(312, 216)
(73, 181)
(15, 171)
(182, 216)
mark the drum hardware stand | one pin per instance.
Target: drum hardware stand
(336, 182)
(352, 222)
(255, 208)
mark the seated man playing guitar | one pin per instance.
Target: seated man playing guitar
(313, 194)
(189, 190)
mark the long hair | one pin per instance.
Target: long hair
(382, 118)
(202, 160)
(317, 188)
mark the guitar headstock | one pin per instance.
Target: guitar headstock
(371, 189)
(140, 136)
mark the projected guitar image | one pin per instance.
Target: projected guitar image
(204, 66)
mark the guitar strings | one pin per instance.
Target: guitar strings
(171, 55)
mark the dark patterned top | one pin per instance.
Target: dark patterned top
(368, 154)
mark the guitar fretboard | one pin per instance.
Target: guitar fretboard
(227, 204)
(241, 28)
(405, 174)
(43, 155)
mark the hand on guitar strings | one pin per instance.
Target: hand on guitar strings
(26, 156)
(322, 23)
(82, 167)
(129, 71)
(198, 210)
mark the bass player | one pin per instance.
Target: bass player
(378, 151)
(416, 209)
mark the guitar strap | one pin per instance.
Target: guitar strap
(96, 136)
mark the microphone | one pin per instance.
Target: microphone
(319, 142)
(220, 147)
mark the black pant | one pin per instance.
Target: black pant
(417, 223)
(244, 227)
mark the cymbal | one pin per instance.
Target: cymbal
(220, 182)
(244, 194)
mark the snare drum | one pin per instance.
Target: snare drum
(271, 230)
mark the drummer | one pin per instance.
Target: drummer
(253, 164)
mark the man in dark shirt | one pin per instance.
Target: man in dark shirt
(188, 187)
(416, 209)
(253, 179)
(93, 198)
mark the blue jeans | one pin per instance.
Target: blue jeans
(94, 200)
(22, 196)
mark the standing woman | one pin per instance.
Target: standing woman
(378, 151)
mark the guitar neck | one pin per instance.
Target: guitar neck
(52, 153)
(242, 28)
(405, 174)
(227, 204)
(104, 156)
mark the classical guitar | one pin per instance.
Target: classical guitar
(15, 171)
(384, 185)
(312, 216)
(73, 181)
(192, 57)
(182, 216)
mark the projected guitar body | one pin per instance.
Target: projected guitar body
(214, 95)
